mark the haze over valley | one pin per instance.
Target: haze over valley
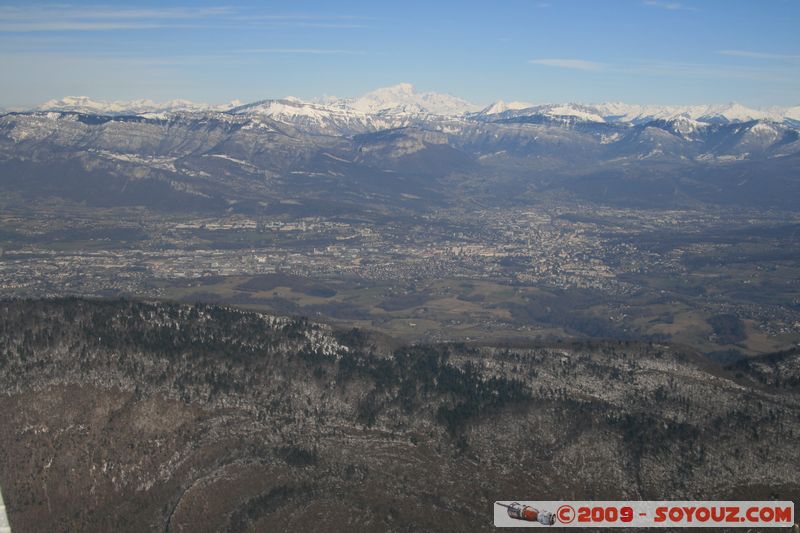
(419, 214)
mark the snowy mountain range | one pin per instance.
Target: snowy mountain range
(396, 144)
(84, 104)
(384, 107)
(402, 98)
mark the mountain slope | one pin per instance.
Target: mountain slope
(314, 118)
(270, 151)
(143, 416)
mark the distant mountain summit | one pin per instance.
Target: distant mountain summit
(556, 112)
(404, 98)
(712, 114)
(500, 106)
(639, 114)
(86, 105)
(313, 118)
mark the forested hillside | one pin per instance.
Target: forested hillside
(133, 416)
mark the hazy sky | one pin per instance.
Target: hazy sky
(638, 51)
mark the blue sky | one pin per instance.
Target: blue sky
(637, 51)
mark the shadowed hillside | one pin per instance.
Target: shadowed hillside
(131, 416)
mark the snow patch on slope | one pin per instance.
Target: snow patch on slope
(312, 118)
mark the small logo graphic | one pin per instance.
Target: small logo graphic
(672, 514)
(529, 514)
(565, 514)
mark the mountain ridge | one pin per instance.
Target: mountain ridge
(266, 151)
(403, 99)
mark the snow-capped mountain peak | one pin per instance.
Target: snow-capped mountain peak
(733, 112)
(685, 126)
(563, 113)
(312, 117)
(577, 111)
(720, 114)
(400, 105)
(792, 114)
(500, 107)
(403, 98)
(85, 104)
